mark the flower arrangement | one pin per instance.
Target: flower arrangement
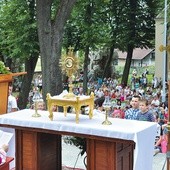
(3, 69)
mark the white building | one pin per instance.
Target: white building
(141, 57)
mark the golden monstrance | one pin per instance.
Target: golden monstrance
(69, 64)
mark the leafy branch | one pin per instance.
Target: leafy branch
(3, 69)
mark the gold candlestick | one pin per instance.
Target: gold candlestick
(37, 96)
(107, 106)
(106, 122)
(36, 114)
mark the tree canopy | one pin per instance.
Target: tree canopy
(32, 28)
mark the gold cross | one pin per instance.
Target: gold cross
(70, 48)
(70, 51)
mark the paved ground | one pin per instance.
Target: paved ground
(159, 161)
(71, 159)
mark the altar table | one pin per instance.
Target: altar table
(38, 141)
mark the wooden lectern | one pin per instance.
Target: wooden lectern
(5, 79)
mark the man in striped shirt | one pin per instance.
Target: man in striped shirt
(134, 110)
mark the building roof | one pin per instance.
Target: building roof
(138, 53)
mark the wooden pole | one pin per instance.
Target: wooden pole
(168, 126)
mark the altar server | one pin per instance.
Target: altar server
(12, 102)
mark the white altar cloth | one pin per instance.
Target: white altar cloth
(142, 133)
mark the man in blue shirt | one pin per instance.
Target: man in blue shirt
(133, 111)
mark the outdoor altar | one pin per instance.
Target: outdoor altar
(113, 147)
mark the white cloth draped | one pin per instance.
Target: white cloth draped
(142, 133)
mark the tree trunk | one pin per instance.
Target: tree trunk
(127, 65)
(30, 65)
(50, 39)
(85, 72)
(107, 69)
(131, 40)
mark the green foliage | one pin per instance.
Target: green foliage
(149, 78)
(112, 24)
(96, 24)
(3, 69)
(85, 27)
(140, 71)
(18, 35)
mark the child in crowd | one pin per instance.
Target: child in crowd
(41, 105)
(55, 108)
(162, 142)
(118, 113)
(12, 102)
(99, 110)
(162, 116)
(144, 114)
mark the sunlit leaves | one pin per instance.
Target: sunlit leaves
(18, 31)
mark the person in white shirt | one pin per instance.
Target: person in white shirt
(155, 101)
(12, 103)
(141, 91)
(99, 110)
(99, 93)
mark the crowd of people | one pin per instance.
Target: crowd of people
(137, 102)
(141, 102)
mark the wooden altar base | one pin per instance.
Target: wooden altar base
(112, 154)
(37, 150)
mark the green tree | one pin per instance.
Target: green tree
(85, 32)
(139, 27)
(119, 24)
(111, 16)
(19, 40)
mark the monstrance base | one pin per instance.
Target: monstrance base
(69, 95)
